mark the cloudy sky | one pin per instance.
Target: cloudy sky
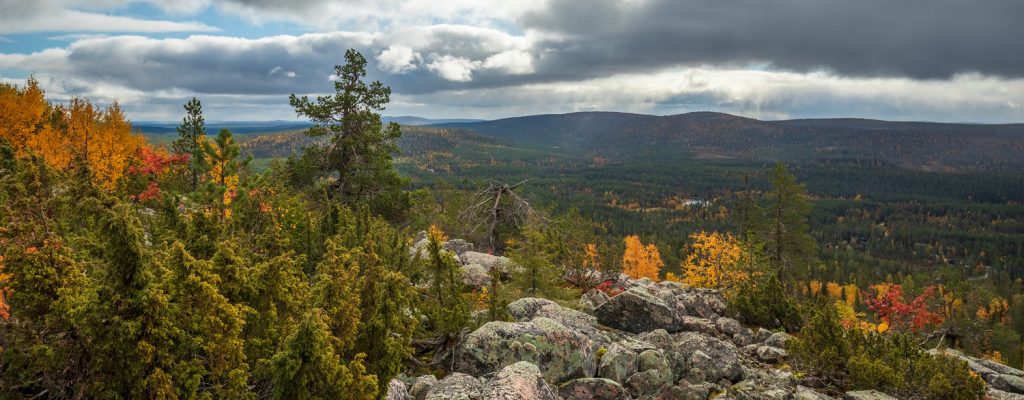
(939, 60)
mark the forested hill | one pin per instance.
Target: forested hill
(918, 145)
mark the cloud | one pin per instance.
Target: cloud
(922, 39)
(914, 59)
(56, 16)
(398, 59)
(515, 62)
(456, 69)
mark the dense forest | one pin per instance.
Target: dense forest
(290, 266)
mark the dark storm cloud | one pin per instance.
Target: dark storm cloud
(923, 39)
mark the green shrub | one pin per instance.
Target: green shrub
(895, 364)
(763, 302)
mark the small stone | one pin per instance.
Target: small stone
(422, 386)
(592, 388)
(397, 391)
(867, 395)
(771, 354)
(778, 339)
(457, 386)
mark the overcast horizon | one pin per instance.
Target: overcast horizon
(915, 60)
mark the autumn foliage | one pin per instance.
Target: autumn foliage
(715, 260)
(66, 136)
(895, 314)
(640, 261)
(5, 311)
(151, 164)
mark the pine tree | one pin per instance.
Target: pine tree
(787, 240)
(748, 217)
(360, 148)
(192, 136)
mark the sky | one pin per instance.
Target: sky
(923, 60)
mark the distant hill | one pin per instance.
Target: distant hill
(250, 127)
(918, 145)
(415, 141)
(410, 120)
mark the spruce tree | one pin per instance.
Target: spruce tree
(536, 275)
(192, 136)
(788, 242)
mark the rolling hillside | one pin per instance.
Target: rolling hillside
(917, 145)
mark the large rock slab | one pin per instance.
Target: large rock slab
(804, 393)
(618, 363)
(1007, 383)
(703, 303)
(592, 388)
(485, 260)
(456, 386)
(996, 394)
(397, 391)
(521, 380)
(712, 358)
(560, 353)
(636, 311)
(867, 395)
(422, 386)
(528, 308)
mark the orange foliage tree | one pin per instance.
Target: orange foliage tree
(715, 260)
(639, 261)
(69, 135)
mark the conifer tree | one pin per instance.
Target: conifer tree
(279, 295)
(232, 273)
(221, 155)
(447, 307)
(536, 275)
(787, 239)
(310, 366)
(358, 155)
(124, 316)
(386, 326)
(209, 337)
(191, 139)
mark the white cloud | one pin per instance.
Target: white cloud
(398, 59)
(67, 20)
(516, 62)
(455, 69)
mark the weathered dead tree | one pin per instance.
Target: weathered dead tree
(494, 207)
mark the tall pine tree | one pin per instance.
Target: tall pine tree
(788, 242)
(358, 155)
(192, 136)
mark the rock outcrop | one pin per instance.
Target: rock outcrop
(654, 340)
(561, 353)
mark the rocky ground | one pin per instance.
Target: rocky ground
(653, 341)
